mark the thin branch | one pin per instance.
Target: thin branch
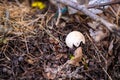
(103, 4)
(93, 16)
(59, 14)
(110, 78)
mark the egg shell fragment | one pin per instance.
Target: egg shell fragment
(74, 38)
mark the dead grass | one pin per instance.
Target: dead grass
(33, 47)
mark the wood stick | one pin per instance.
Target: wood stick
(93, 16)
(103, 4)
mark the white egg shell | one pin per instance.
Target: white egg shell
(74, 38)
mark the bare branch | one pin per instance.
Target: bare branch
(103, 4)
(95, 17)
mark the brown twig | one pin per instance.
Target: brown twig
(99, 54)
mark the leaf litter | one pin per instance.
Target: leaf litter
(32, 47)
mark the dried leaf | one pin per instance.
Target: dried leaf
(93, 24)
(97, 35)
(52, 40)
(50, 75)
(58, 56)
(77, 57)
(30, 61)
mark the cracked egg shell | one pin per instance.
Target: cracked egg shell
(74, 38)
